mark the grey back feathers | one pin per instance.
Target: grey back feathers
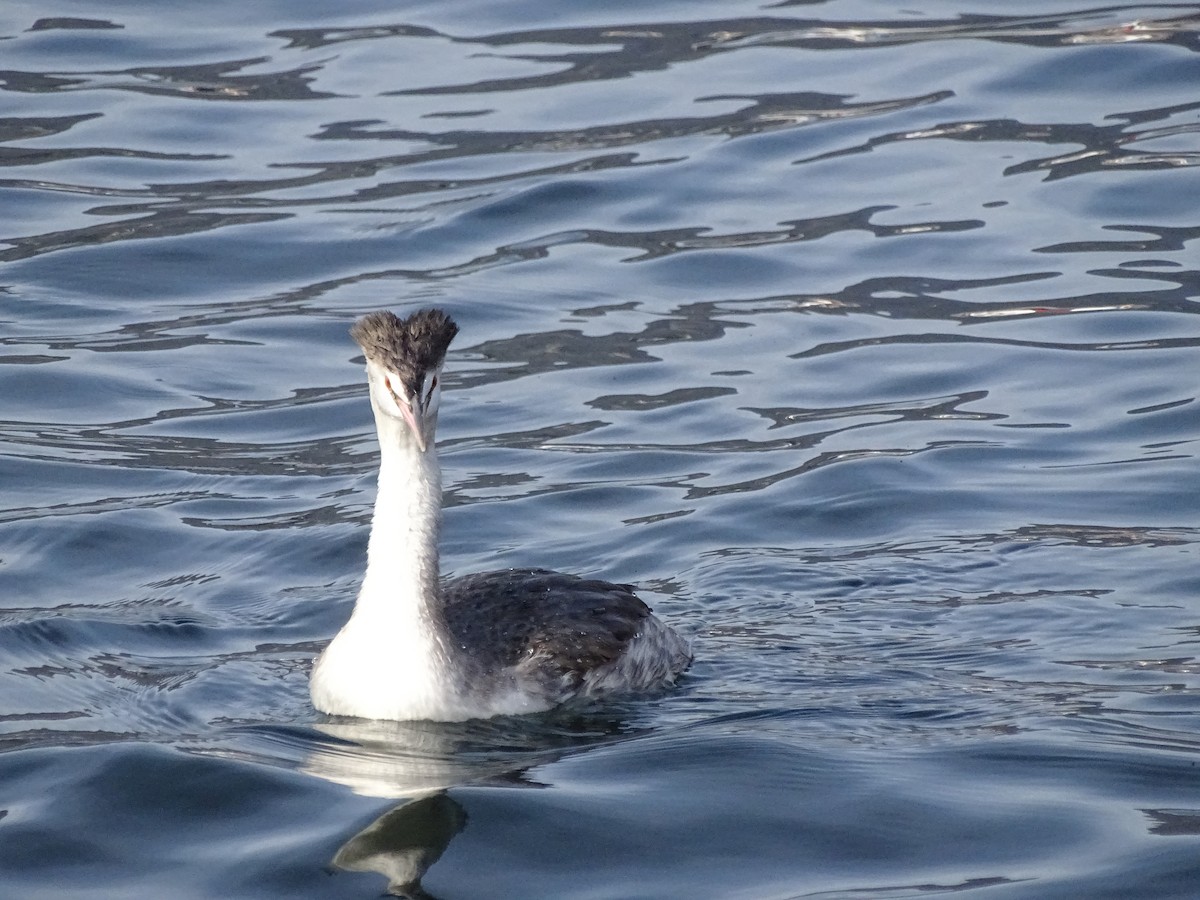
(561, 625)
(409, 347)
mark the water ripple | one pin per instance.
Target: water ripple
(864, 342)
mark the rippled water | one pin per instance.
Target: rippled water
(863, 338)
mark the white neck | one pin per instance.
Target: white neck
(400, 587)
(392, 660)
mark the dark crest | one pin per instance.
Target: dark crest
(409, 347)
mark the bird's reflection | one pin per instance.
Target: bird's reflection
(404, 842)
(421, 762)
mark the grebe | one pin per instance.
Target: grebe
(496, 643)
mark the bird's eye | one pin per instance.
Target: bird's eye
(397, 396)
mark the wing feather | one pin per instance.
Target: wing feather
(563, 625)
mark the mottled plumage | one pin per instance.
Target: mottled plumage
(570, 625)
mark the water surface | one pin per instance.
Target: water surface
(861, 338)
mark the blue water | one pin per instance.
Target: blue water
(863, 338)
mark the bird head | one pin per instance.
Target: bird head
(404, 367)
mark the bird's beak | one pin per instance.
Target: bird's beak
(412, 413)
(413, 418)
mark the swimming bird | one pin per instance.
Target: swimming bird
(418, 646)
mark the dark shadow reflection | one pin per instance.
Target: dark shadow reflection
(404, 842)
(422, 762)
(1173, 822)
